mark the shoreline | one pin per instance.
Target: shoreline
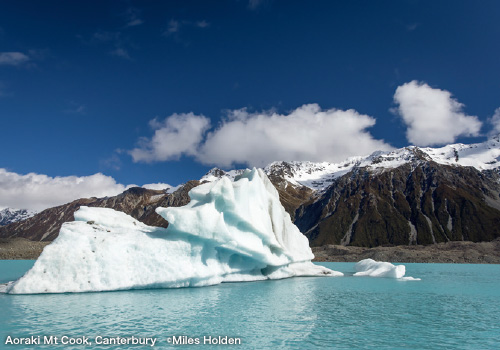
(450, 252)
(457, 252)
(20, 249)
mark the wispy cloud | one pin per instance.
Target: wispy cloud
(75, 108)
(113, 162)
(13, 58)
(412, 26)
(115, 39)
(202, 24)
(105, 36)
(132, 17)
(174, 27)
(2, 90)
(255, 4)
(121, 52)
(495, 123)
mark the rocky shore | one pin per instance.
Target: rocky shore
(20, 249)
(451, 252)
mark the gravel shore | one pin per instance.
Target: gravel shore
(451, 252)
(20, 249)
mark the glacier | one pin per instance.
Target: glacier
(229, 232)
(372, 268)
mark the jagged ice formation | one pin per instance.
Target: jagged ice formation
(229, 232)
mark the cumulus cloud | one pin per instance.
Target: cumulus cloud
(177, 135)
(38, 191)
(307, 133)
(432, 116)
(13, 58)
(256, 139)
(495, 122)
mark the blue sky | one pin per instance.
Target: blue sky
(86, 85)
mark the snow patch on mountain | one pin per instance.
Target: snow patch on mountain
(215, 174)
(9, 215)
(318, 176)
(482, 156)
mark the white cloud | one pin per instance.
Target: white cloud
(495, 122)
(13, 58)
(256, 139)
(38, 191)
(157, 186)
(179, 134)
(432, 116)
(307, 133)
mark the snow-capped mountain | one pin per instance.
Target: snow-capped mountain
(8, 215)
(410, 195)
(406, 196)
(216, 173)
(318, 176)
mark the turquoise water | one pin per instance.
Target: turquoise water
(453, 307)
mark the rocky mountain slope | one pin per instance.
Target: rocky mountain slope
(408, 196)
(420, 202)
(405, 197)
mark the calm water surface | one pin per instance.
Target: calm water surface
(453, 307)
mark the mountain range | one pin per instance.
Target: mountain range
(407, 196)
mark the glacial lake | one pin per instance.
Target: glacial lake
(454, 306)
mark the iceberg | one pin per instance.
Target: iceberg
(229, 232)
(372, 268)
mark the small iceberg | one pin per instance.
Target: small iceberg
(229, 232)
(372, 268)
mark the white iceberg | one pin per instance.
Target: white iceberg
(372, 268)
(229, 232)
